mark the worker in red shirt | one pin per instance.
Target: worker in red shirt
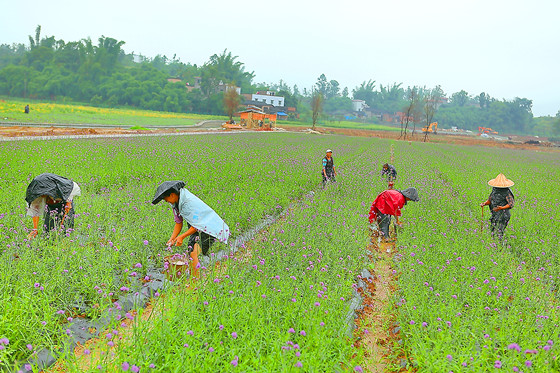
(389, 203)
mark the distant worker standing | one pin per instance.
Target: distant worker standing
(52, 196)
(204, 224)
(501, 200)
(390, 172)
(389, 203)
(329, 171)
(26, 110)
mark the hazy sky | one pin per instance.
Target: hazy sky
(506, 48)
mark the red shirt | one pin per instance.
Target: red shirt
(389, 202)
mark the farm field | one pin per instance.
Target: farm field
(464, 301)
(42, 112)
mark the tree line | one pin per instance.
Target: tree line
(102, 74)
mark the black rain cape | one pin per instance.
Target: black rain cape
(174, 186)
(51, 185)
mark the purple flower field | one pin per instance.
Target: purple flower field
(466, 301)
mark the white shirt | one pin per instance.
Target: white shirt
(37, 207)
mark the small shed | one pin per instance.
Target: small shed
(253, 117)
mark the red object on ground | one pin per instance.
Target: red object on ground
(389, 202)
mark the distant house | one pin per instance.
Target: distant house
(359, 105)
(223, 87)
(174, 80)
(268, 97)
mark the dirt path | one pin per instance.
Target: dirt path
(376, 323)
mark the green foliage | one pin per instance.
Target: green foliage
(103, 75)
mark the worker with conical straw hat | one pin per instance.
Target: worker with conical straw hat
(501, 201)
(204, 224)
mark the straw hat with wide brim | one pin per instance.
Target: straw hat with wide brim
(501, 182)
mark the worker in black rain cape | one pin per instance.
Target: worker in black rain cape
(52, 196)
(204, 224)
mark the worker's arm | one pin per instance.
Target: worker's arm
(33, 233)
(179, 240)
(498, 208)
(485, 203)
(67, 208)
(334, 169)
(176, 231)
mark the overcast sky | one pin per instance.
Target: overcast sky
(506, 48)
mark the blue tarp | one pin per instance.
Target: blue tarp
(282, 114)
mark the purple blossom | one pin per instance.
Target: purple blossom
(291, 330)
(234, 335)
(125, 366)
(497, 364)
(358, 369)
(303, 333)
(299, 364)
(449, 357)
(134, 369)
(514, 346)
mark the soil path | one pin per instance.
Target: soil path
(376, 331)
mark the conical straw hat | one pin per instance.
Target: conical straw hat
(501, 182)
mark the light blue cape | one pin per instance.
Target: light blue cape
(201, 216)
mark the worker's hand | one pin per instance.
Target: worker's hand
(498, 208)
(171, 241)
(483, 204)
(32, 234)
(178, 241)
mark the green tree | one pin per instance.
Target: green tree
(365, 92)
(322, 85)
(460, 98)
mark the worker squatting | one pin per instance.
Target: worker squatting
(52, 197)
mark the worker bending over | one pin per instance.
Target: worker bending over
(390, 172)
(52, 196)
(204, 224)
(389, 203)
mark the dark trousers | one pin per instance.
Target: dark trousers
(54, 214)
(383, 221)
(499, 221)
(330, 177)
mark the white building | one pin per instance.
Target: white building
(359, 105)
(268, 99)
